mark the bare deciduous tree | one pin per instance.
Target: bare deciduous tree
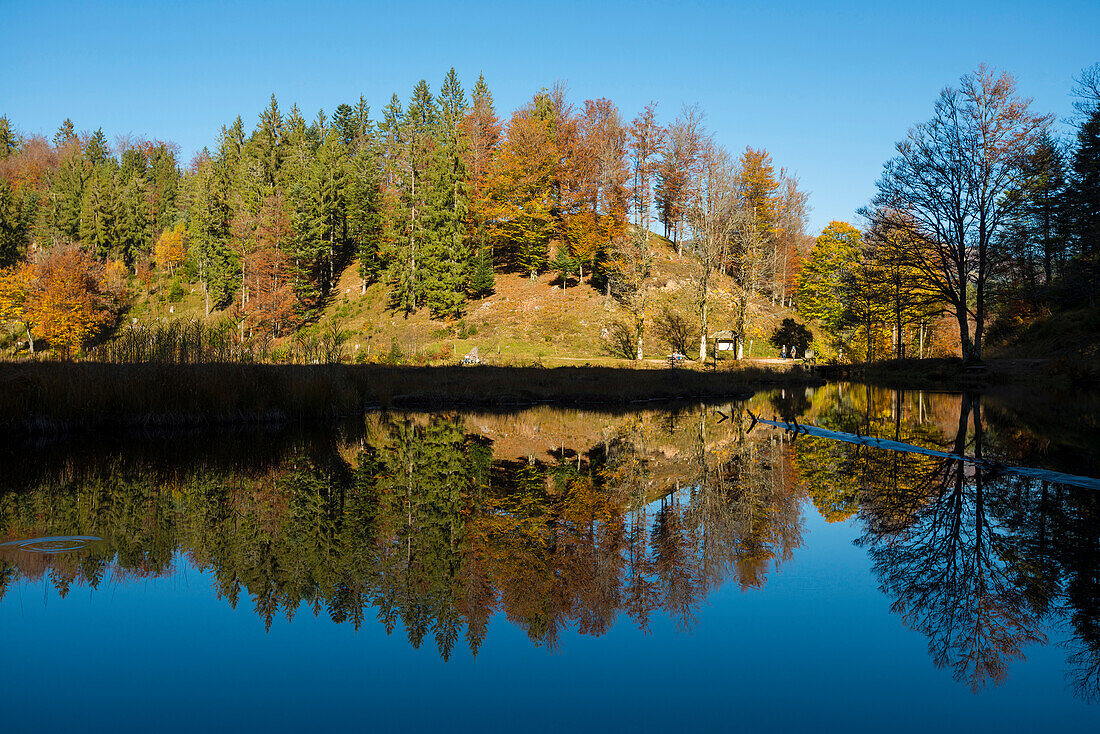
(712, 215)
(949, 181)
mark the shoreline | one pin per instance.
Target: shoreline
(57, 398)
(51, 398)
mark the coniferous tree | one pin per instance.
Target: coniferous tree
(66, 193)
(65, 134)
(97, 150)
(446, 256)
(1084, 198)
(98, 211)
(9, 140)
(13, 227)
(414, 137)
(482, 277)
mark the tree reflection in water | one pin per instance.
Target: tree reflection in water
(979, 561)
(414, 520)
(436, 523)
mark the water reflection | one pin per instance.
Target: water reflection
(570, 520)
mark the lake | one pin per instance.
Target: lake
(923, 560)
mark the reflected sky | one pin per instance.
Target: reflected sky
(559, 568)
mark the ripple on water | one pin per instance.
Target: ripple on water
(55, 544)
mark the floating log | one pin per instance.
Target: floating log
(1041, 474)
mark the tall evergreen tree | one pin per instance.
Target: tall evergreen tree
(1084, 197)
(13, 227)
(65, 134)
(446, 255)
(9, 140)
(97, 150)
(97, 213)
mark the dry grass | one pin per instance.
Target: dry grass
(55, 397)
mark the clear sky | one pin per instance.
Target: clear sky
(827, 88)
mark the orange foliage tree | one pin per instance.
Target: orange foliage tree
(268, 299)
(63, 298)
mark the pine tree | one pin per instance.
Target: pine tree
(97, 150)
(9, 140)
(446, 256)
(482, 278)
(65, 134)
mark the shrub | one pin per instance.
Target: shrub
(394, 356)
(176, 292)
(791, 334)
(619, 340)
(679, 332)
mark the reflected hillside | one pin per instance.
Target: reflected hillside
(434, 525)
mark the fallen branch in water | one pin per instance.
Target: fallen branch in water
(796, 428)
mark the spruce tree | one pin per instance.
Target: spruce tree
(97, 213)
(447, 256)
(13, 229)
(482, 278)
(343, 121)
(1085, 195)
(268, 138)
(65, 134)
(9, 141)
(563, 265)
(97, 150)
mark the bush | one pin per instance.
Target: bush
(792, 334)
(680, 333)
(176, 292)
(394, 356)
(619, 341)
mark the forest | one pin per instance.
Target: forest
(985, 224)
(432, 199)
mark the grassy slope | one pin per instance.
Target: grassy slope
(523, 320)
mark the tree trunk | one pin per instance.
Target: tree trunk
(703, 334)
(964, 333)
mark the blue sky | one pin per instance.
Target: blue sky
(827, 89)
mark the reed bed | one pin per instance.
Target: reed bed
(60, 397)
(196, 342)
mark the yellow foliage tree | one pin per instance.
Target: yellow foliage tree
(14, 287)
(170, 249)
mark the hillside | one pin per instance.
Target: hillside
(523, 320)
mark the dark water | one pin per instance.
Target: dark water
(551, 569)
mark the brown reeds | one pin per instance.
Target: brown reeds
(56, 397)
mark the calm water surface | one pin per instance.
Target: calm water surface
(550, 569)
